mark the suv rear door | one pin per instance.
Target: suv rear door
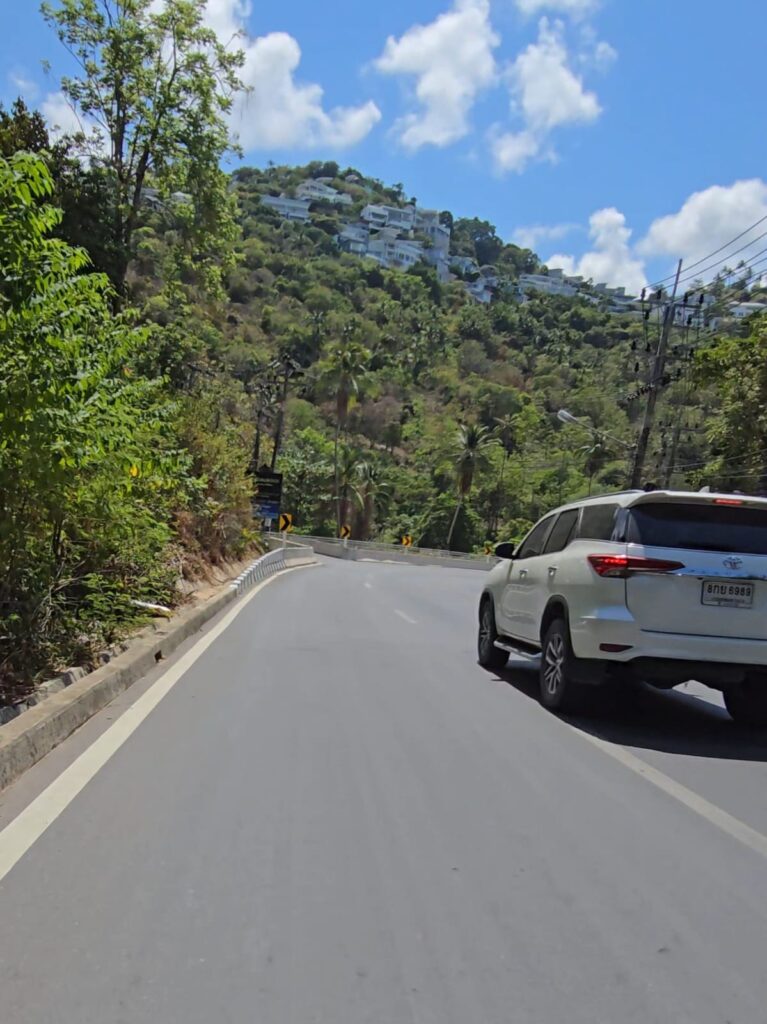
(536, 567)
(719, 545)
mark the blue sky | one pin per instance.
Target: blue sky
(614, 136)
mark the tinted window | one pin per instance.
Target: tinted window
(563, 531)
(699, 527)
(597, 522)
(533, 543)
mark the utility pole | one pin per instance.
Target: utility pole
(659, 366)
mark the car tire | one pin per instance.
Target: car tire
(559, 690)
(747, 703)
(488, 655)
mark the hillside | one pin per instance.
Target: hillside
(430, 358)
(421, 359)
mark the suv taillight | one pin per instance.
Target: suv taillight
(623, 566)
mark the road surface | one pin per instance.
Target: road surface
(336, 817)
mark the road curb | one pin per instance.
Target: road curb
(36, 732)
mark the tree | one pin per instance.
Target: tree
(737, 368)
(372, 487)
(506, 432)
(81, 190)
(474, 237)
(156, 83)
(471, 449)
(347, 476)
(86, 475)
(342, 367)
(22, 129)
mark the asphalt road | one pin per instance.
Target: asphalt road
(337, 817)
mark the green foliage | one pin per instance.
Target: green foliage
(737, 368)
(87, 466)
(156, 83)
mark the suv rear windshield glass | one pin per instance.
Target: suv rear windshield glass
(699, 527)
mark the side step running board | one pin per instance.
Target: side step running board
(512, 648)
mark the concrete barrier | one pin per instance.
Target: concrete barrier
(33, 734)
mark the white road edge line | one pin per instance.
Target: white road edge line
(734, 827)
(407, 618)
(27, 827)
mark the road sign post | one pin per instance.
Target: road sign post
(267, 495)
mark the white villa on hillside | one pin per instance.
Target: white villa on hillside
(389, 216)
(555, 283)
(312, 189)
(290, 209)
(744, 309)
(391, 251)
(354, 238)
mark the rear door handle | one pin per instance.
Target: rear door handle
(552, 569)
(522, 573)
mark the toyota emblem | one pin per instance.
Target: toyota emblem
(733, 562)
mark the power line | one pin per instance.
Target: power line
(716, 252)
(693, 277)
(742, 461)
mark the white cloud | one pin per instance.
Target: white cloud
(60, 117)
(547, 93)
(277, 111)
(21, 81)
(603, 55)
(512, 151)
(611, 260)
(708, 220)
(227, 17)
(530, 236)
(547, 89)
(452, 61)
(575, 8)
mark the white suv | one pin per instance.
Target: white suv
(663, 586)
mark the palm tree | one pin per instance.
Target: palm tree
(348, 475)
(506, 432)
(345, 362)
(472, 447)
(372, 487)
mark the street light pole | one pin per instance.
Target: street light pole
(564, 416)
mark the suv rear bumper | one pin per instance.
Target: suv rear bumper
(591, 632)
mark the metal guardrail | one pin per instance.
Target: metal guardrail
(270, 563)
(374, 545)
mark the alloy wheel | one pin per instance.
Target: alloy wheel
(553, 667)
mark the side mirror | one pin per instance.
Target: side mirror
(505, 551)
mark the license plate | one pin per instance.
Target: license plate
(727, 594)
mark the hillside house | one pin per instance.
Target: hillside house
(389, 216)
(354, 238)
(317, 190)
(288, 209)
(555, 283)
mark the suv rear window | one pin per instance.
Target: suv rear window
(699, 527)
